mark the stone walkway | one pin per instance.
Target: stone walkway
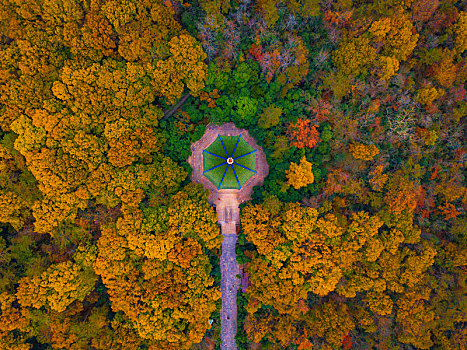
(229, 286)
(228, 215)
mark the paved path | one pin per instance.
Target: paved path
(228, 215)
(229, 286)
(226, 202)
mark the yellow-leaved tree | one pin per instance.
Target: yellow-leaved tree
(58, 287)
(185, 65)
(297, 248)
(300, 175)
(152, 262)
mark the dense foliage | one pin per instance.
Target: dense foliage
(357, 239)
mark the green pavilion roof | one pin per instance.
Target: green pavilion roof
(229, 162)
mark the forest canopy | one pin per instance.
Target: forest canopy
(356, 239)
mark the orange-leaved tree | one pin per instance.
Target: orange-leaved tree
(364, 152)
(303, 134)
